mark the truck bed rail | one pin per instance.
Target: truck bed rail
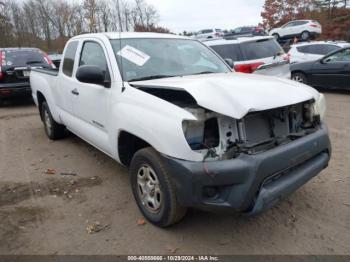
(53, 72)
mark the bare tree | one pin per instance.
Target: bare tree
(91, 10)
(104, 14)
(47, 24)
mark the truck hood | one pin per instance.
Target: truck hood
(236, 94)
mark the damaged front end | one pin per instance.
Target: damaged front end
(219, 137)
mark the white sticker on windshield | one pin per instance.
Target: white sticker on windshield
(134, 55)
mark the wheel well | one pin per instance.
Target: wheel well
(128, 145)
(41, 100)
(298, 71)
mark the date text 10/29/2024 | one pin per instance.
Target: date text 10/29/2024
(173, 258)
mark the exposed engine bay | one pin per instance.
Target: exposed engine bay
(219, 137)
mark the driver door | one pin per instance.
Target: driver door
(92, 101)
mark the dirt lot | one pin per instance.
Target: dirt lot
(54, 213)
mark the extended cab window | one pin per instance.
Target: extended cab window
(92, 54)
(69, 56)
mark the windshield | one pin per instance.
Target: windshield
(143, 58)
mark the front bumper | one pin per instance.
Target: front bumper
(15, 89)
(251, 183)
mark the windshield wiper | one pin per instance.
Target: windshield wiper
(150, 77)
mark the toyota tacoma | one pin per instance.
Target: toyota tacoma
(194, 133)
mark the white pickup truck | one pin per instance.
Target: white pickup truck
(192, 132)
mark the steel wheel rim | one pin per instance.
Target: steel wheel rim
(148, 188)
(47, 120)
(298, 79)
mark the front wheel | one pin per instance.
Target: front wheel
(53, 129)
(153, 189)
(299, 77)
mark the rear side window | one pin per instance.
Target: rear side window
(296, 23)
(24, 58)
(232, 51)
(247, 29)
(260, 49)
(317, 49)
(69, 56)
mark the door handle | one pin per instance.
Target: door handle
(75, 92)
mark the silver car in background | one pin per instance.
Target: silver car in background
(258, 55)
(209, 34)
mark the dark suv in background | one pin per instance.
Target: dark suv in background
(15, 66)
(246, 31)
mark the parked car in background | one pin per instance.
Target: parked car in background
(303, 29)
(56, 59)
(312, 51)
(209, 34)
(247, 31)
(15, 67)
(258, 55)
(332, 71)
(193, 133)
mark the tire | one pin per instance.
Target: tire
(53, 130)
(299, 77)
(149, 173)
(305, 35)
(276, 36)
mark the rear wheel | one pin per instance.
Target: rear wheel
(276, 36)
(153, 189)
(305, 35)
(53, 129)
(299, 77)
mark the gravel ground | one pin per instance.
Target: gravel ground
(65, 197)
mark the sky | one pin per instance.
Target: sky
(194, 15)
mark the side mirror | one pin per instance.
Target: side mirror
(92, 75)
(229, 61)
(325, 60)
